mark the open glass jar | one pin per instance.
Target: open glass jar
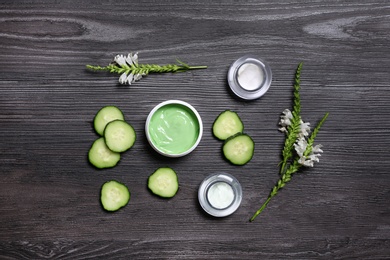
(249, 77)
(220, 194)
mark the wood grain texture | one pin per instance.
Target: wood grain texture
(49, 194)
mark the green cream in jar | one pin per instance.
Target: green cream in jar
(174, 129)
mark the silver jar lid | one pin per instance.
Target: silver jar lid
(249, 77)
(220, 194)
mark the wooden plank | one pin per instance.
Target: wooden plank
(49, 193)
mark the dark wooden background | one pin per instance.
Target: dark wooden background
(49, 194)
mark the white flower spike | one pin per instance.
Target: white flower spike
(305, 128)
(285, 119)
(309, 160)
(300, 146)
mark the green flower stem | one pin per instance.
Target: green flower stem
(262, 208)
(131, 71)
(293, 168)
(292, 162)
(145, 69)
(310, 140)
(286, 177)
(294, 128)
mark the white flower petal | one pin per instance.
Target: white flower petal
(298, 149)
(308, 163)
(305, 128)
(283, 129)
(317, 149)
(287, 113)
(129, 60)
(301, 160)
(304, 162)
(314, 157)
(120, 60)
(137, 77)
(130, 79)
(302, 143)
(122, 78)
(300, 146)
(285, 119)
(285, 122)
(135, 58)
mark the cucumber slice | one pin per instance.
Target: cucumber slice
(228, 123)
(119, 136)
(239, 149)
(104, 116)
(101, 156)
(114, 195)
(164, 182)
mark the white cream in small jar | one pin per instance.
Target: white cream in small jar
(249, 77)
(220, 194)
